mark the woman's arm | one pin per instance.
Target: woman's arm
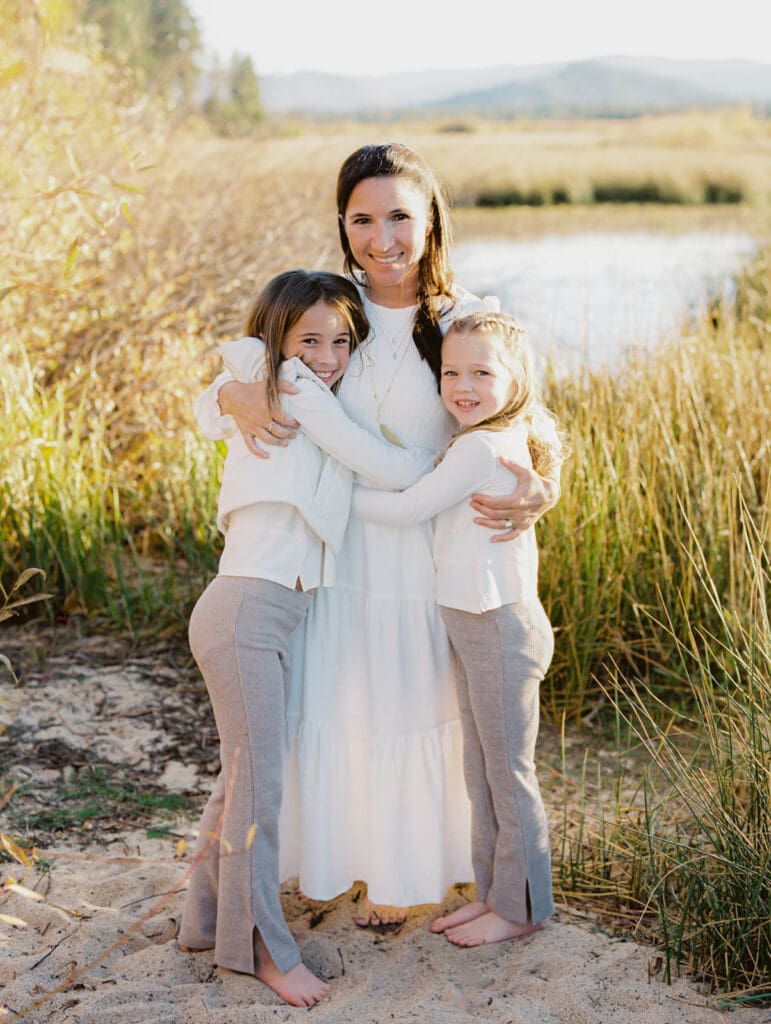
(466, 466)
(247, 403)
(518, 511)
(228, 405)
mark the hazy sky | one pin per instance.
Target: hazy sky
(360, 37)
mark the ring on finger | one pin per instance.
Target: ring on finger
(507, 524)
(269, 428)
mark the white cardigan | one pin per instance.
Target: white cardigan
(303, 474)
(472, 574)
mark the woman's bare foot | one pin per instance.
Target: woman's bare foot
(369, 914)
(489, 928)
(468, 912)
(298, 987)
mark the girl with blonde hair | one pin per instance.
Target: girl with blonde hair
(488, 599)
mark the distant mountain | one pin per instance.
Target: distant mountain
(586, 87)
(613, 85)
(744, 81)
(317, 92)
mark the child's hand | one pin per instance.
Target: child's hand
(518, 511)
(248, 404)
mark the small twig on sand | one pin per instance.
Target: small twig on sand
(50, 951)
(153, 896)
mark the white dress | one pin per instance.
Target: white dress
(375, 735)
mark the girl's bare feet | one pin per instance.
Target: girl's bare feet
(467, 912)
(370, 914)
(489, 928)
(298, 987)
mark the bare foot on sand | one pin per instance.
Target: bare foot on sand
(298, 987)
(370, 914)
(468, 912)
(489, 928)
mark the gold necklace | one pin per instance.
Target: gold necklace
(389, 338)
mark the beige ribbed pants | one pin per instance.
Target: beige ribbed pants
(239, 636)
(503, 656)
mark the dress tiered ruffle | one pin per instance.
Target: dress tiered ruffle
(374, 788)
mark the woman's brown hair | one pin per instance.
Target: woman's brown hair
(393, 160)
(283, 301)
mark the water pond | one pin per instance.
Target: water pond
(586, 298)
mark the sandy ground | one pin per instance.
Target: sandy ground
(97, 945)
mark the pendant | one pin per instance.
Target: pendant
(390, 436)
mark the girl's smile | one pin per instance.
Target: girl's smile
(321, 338)
(386, 222)
(475, 384)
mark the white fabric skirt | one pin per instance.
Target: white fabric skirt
(374, 789)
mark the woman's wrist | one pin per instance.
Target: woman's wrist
(552, 490)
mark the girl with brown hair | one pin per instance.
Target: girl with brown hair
(283, 524)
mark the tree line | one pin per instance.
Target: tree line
(161, 42)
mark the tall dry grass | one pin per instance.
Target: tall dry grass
(656, 567)
(120, 268)
(667, 450)
(76, 149)
(683, 852)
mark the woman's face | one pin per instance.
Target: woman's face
(387, 223)
(321, 338)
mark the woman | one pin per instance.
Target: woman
(374, 721)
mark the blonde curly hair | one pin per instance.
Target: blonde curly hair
(545, 440)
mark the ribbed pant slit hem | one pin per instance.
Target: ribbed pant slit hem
(504, 654)
(239, 635)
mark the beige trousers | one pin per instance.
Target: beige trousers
(239, 636)
(503, 656)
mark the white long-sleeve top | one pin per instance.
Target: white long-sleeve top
(284, 518)
(472, 574)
